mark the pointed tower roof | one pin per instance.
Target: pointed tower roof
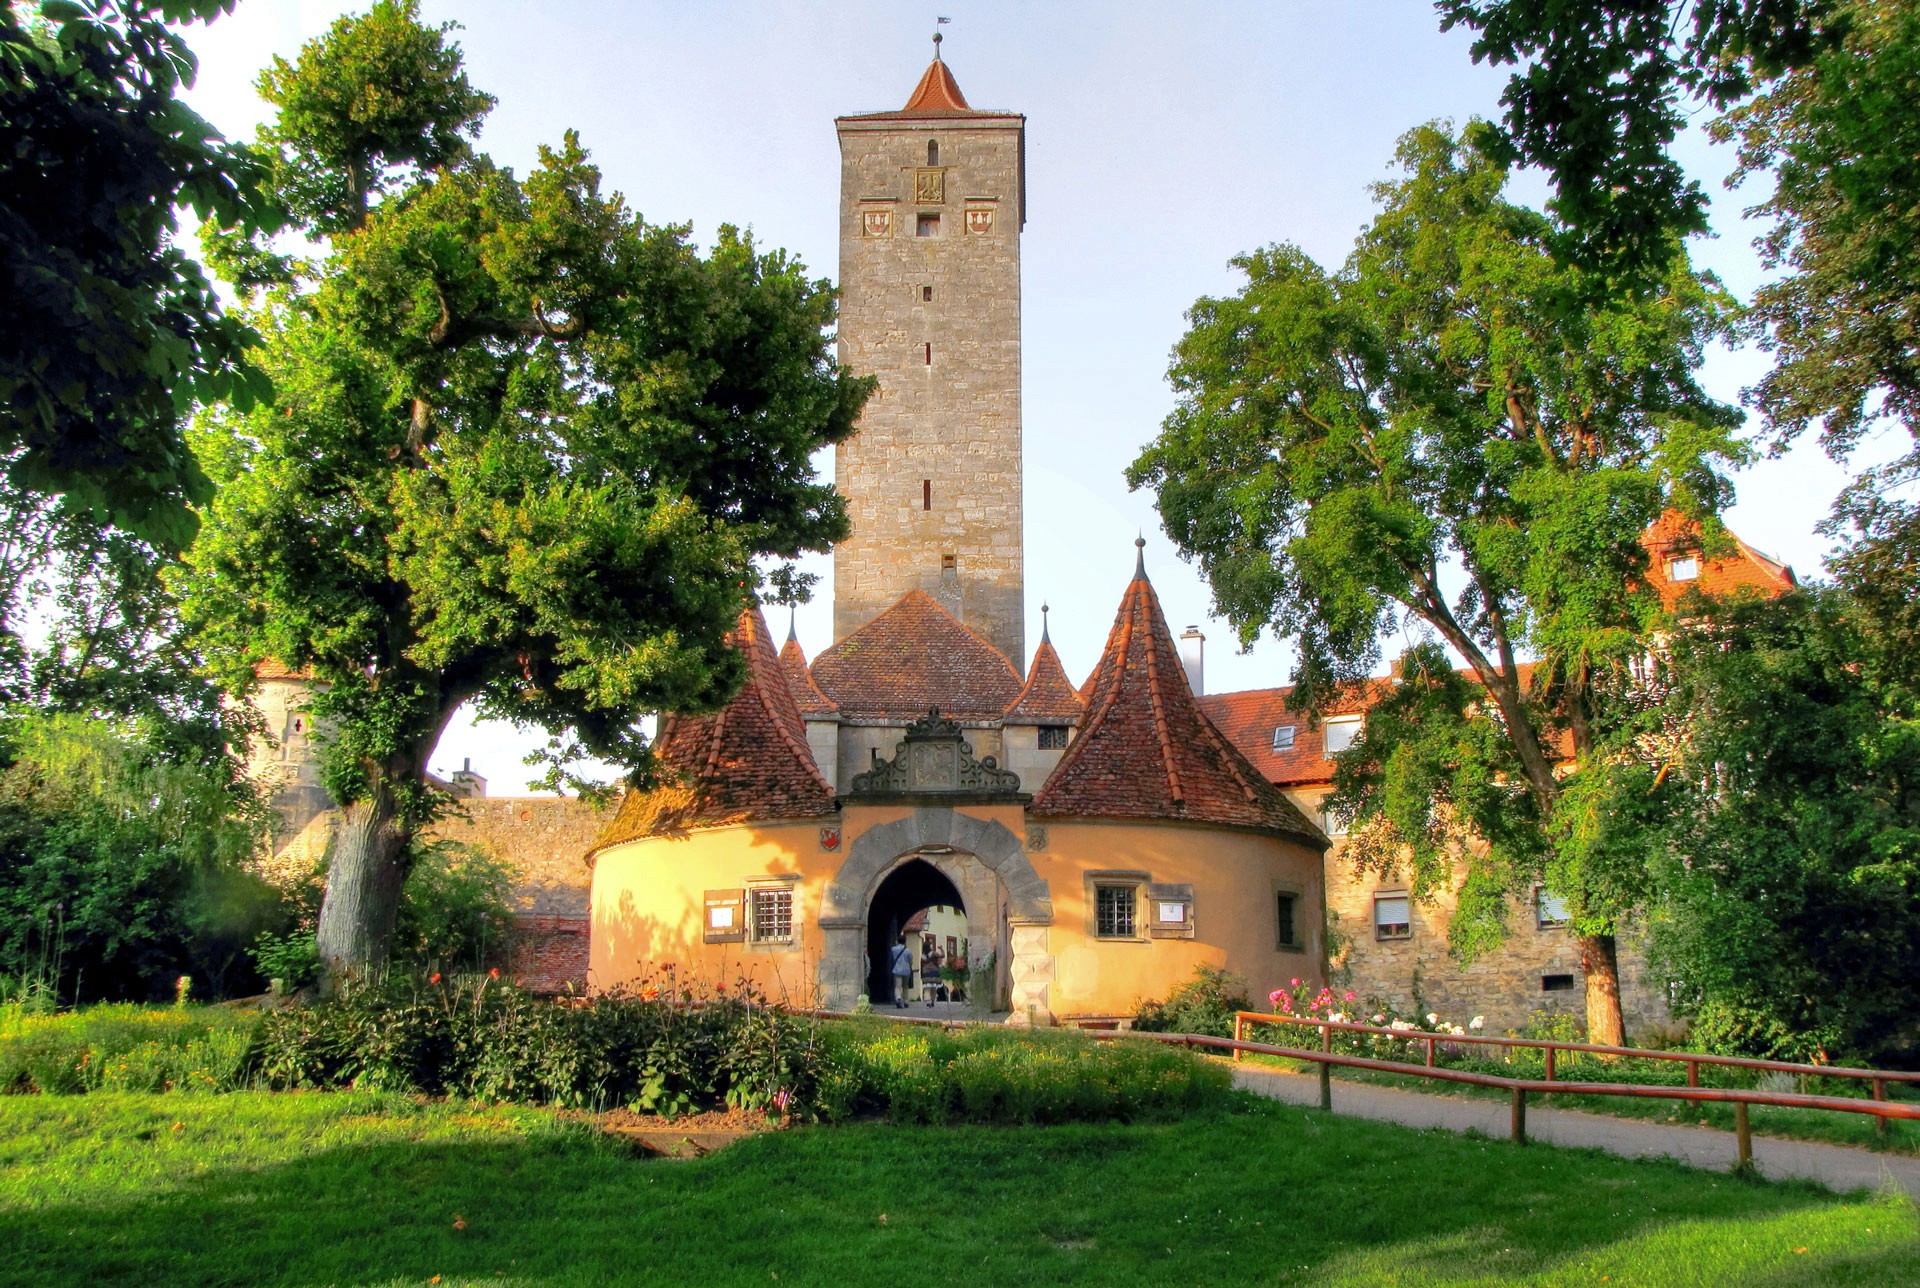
(912, 658)
(806, 694)
(1146, 750)
(1048, 697)
(747, 761)
(937, 91)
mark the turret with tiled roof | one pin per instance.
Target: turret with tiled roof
(912, 658)
(747, 761)
(1146, 750)
(806, 694)
(1048, 697)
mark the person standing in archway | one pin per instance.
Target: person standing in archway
(900, 966)
(930, 970)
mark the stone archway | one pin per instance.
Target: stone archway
(937, 830)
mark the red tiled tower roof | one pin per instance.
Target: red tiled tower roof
(1048, 697)
(806, 694)
(937, 90)
(1146, 750)
(912, 658)
(747, 761)
(1674, 535)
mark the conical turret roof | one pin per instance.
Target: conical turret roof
(806, 694)
(747, 761)
(1048, 697)
(937, 91)
(1146, 750)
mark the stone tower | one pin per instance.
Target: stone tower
(932, 201)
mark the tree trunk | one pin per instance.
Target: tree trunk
(363, 888)
(1600, 960)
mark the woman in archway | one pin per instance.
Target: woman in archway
(900, 966)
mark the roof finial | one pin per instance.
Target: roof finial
(937, 24)
(792, 612)
(1140, 558)
(1044, 639)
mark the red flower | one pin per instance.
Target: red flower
(434, 978)
(493, 972)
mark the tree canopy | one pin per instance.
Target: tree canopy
(1448, 436)
(525, 452)
(111, 331)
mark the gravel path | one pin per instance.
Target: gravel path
(1838, 1167)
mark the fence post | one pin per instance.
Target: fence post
(1550, 1064)
(1693, 1073)
(1326, 1070)
(1429, 1053)
(1519, 1115)
(1239, 1035)
(1881, 1124)
(1743, 1133)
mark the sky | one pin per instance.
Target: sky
(1162, 140)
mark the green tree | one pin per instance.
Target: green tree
(111, 332)
(122, 865)
(525, 451)
(1448, 435)
(1790, 829)
(1605, 90)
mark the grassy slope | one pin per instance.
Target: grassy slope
(348, 1188)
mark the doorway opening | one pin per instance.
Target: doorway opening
(910, 889)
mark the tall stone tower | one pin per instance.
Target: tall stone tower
(932, 201)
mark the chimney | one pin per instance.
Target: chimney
(1193, 656)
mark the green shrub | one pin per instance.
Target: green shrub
(1204, 1004)
(119, 1047)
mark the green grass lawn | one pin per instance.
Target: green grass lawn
(348, 1188)
(1858, 1130)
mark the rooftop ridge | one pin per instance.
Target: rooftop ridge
(914, 656)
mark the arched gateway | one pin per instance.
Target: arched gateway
(934, 804)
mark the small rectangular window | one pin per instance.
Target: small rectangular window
(926, 226)
(949, 563)
(1332, 824)
(1053, 737)
(926, 294)
(1286, 928)
(771, 916)
(1556, 983)
(1685, 568)
(1392, 916)
(1549, 909)
(1339, 732)
(1113, 912)
(926, 494)
(1283, 737)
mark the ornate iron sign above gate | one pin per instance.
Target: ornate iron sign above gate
(934, 759)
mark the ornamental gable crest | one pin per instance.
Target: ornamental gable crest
(934, 759)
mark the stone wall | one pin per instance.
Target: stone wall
(544, 838)
(933, 478)
(1505, 986)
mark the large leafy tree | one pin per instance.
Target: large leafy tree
(1448, 435)
(1783, 781)
(110, 332)
(525, 450)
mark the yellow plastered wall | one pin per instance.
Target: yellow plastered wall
(648, 901)
(1234, 876)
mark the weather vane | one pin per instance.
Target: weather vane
(937, 24)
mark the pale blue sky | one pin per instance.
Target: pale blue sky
(1161, 141)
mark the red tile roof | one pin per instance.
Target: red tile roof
(937, 91)
(747, 761)
(1249, 718)
(806, 694)
(1674, 535)
(1146, 750)
(268, 669)
(1048, 697)
(914, 657)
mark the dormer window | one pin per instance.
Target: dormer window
(1683, 568)
(1283, 737)
(1339, 733)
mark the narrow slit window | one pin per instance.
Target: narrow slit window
(1286, 930)
(926, 494)
(929, 353)
(933, 152)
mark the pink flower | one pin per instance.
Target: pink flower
(1348, 995)
(1296, 983)
(1275, 996)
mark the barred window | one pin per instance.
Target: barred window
(1113, 912)
(1053, 737)
(771, 916)
(1286, 923)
